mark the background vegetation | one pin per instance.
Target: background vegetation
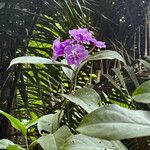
(29, 28)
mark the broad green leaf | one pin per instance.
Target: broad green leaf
(15, 123)
(107, 54)
(142, 93)
(47, 142)
(33, 60)
(115, 123)
(31, 123)
(68, 72)
(54, 141)
(61, 135)
(5, 143)
(9, 145)
(56, 120)
(44, 123)
(83, 142)
(49, 123)
(87, 98)
(15, 147)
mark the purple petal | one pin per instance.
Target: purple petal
(98, 44)
(68, 49)
(66, 43)
(83, 55)
(74, 54)
(58, 47)
(73, 32)
(70, 59)
(81, 35)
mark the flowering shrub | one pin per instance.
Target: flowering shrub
(74, 49)
(97, 125)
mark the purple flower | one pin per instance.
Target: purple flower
(81, 35)
(58, 47)
(73, 50)
(98, 44)
(75, 54)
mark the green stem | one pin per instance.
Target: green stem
(92, 49)
(26, 142)
(77, 71)
(91, 71)
(75, 81)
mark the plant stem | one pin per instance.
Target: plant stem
(75, 81)
(92, 49)
(26, 142)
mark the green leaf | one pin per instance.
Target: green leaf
(49, 123)
(9, 145)
(47, 142)
(44, 123)
(15, 147)
(15, 123)
(4, 143)
(115, 123)
(56, 120)
(54, 141)
(31, 123)
(142, 93)
(68, 72)
(34, 60)
(83, 142)
(61, 135)
(107, 54)
(87, 98)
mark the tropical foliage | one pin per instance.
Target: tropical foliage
(48, 102)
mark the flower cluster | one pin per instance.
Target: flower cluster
(73, 49)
